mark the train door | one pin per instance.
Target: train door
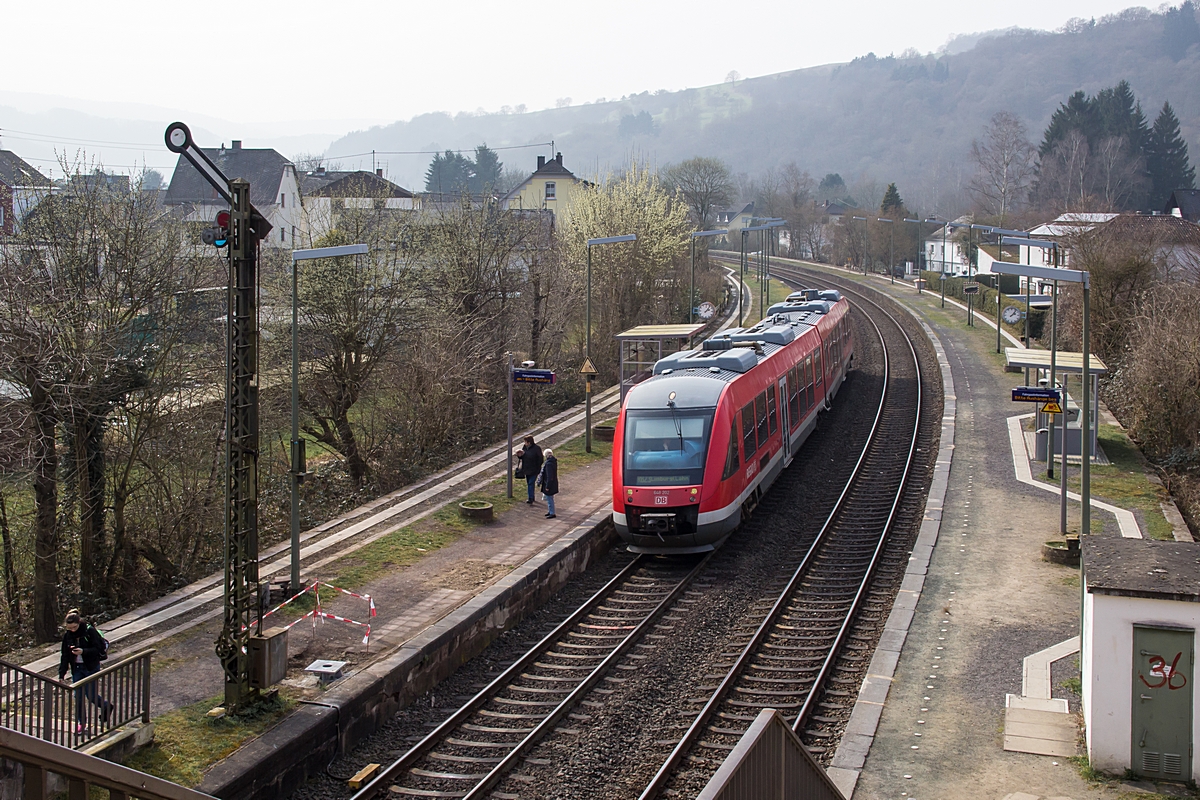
(785, 418)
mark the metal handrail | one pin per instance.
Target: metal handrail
(75, 714)
(38, 758)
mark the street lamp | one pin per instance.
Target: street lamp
(692, 297)
(892, 252)
(774, 223)
(920, 250)
(587, 415)
(864, 222)
(942, 269)
(742, 278)
(298, 468)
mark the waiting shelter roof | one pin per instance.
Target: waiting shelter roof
(1066, 361)
(685, 331)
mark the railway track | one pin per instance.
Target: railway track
(485, 739)
(800, 644)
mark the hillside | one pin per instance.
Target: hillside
(908, 119)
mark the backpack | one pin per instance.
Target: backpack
(103, 646)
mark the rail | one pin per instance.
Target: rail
(770, 761)
(75, 714)
(38, 760)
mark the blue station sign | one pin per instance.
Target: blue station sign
(1034, 394)
(546, 377)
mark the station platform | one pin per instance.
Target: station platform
(982, 624)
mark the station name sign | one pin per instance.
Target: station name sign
(1034, 394)
(543, 376)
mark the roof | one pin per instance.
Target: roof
(728, 214)
(1164, 229)
(1065, 361)
(1142, 568)
(1073, 222)
(662, 331)
(356, 183)
(1188, 203)
(15, 171)
(263, 167)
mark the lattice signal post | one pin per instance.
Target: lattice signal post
(242, 591)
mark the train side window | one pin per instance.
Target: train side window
(794, 389)
(760, 413)
(808, 379)
(818, 370)
(748, 445)
(772, 410)
(731, 453)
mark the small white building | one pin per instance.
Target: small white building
(1141, 607)
(326, 195)
(943, 253)
(274, 190)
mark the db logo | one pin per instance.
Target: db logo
(661, 500)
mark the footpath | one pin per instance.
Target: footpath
(930, 721)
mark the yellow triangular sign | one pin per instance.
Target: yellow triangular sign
(588, 368)
(1052, 407)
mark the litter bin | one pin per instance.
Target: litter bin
(1041, 439)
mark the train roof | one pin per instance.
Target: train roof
(690, 391)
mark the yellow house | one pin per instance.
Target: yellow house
(550, 188)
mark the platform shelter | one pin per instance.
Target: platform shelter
(1066, 363)
(646, 344)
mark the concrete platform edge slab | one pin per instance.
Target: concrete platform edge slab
(850, 756)
(277, 763)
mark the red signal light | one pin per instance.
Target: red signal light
(223, 219)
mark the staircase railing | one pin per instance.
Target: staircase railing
(37, 760)
(75, 714)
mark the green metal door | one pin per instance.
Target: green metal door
(1162, 702)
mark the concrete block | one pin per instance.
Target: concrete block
(900, 618)
(852, 752)
(892, 639)
(874, 689)
(883, 664)
(844, 779)
(912, 583)
(865, 718)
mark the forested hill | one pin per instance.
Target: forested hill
(907, 119)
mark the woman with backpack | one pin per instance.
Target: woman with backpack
(82, 649)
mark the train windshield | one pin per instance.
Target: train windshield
(666, 447)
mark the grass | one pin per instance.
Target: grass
(1073, 685)
(777, 292)
(1123, 483)
(187, 741)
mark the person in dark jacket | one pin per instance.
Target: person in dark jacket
(530, 456)
(548, 480)
(81, 648)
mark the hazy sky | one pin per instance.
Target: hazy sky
(355, 60)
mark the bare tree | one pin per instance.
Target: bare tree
(1118, 173)
(706, 185)
(1004, 163)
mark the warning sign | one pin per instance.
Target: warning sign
(1052, 407)
(588, 368)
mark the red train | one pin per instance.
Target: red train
(699, 442)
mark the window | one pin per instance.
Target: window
(549, 190)
(748, 444)
(666, 447)
(731, 453)
(283, 234)
(760, 415)
(772, 415)
(283, 201)
(808, 382)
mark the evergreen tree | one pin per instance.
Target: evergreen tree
(891, 200)
(1167, 158)
(485, 172)
(1077, 114)
(449, 173)
(1180, 30)
(1119, 114)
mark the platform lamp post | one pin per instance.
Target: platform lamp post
(941, 271)
(587, 416)
(742, 279)
(920, 249)
(692, 298)
(299, 469)
(892, 251)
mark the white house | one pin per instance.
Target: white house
(21, 188)
(274, 190)
(327, 193)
